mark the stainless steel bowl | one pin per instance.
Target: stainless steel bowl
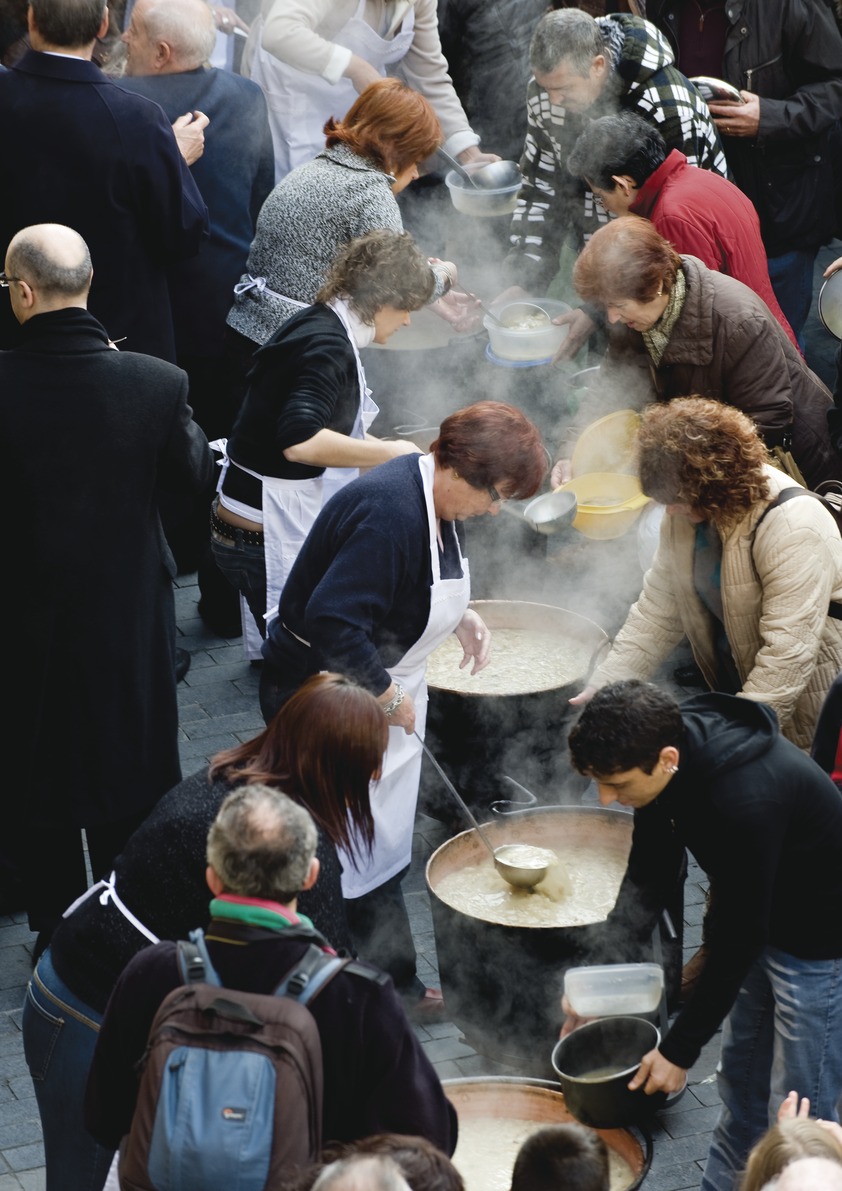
(830, 304)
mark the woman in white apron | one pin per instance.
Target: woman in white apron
(302, 432)
(313, 57)
(380, 582)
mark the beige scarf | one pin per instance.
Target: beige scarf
(658, 336)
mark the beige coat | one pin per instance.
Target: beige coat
(775, 595)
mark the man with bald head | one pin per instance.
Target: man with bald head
(91, 436)
(168, 43)
(79, 150)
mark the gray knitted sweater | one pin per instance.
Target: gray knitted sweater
(304, 222)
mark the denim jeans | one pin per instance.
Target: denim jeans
(244, 566)
(59, 1036)
(783, 1033)
(791, 276)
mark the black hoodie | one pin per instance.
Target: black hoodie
(765, 824)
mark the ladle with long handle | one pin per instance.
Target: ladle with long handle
(460, 169)
(523, 878)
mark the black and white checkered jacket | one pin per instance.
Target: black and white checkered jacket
(552, 205)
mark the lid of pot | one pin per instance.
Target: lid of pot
(607, 445)
(830, 304)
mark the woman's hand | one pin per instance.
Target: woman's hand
(474, 636)
(833, 266)
(572, 1021)
(473, 155)
(583, 697)
(404, 714)
(361, 73)
(581, 325)
(461, 310)
(657, 1074)
(227, 20)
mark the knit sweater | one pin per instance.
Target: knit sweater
(552, 204)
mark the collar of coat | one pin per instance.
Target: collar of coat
(71, 330)
(52, 66)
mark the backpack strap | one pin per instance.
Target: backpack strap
(195, 962)
(306, 979)
(834, 609)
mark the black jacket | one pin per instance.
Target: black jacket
(790, 53)
(765, 824)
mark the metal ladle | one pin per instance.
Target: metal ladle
(517, 875)
(493, 175)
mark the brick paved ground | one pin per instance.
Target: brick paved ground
(218, 708)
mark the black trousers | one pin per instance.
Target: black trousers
(382, 935)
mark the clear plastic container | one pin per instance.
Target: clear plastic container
(613, 989)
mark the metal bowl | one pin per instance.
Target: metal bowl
(552, 512)
(830, 304)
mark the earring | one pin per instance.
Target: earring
(670, 769)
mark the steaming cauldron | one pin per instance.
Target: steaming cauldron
(495, 1100)
(503, 984)
(478, 737)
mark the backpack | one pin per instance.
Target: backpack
(230, 1083)
(831, 499)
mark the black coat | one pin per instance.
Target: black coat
(79, 150)
(90, 437)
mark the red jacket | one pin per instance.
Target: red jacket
(705, 215)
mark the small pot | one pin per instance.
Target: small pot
(611, 1042)
(551, 513)
(527, 343)
(470, 200)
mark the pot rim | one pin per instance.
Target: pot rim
(595, 1083)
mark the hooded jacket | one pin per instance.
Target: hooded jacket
(643, 79)
(765, 824)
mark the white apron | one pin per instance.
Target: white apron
(394, 796)
(291, 506)
(300, 103)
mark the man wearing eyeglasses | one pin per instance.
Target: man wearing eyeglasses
(91, 436)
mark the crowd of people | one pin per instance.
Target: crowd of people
(197, 259)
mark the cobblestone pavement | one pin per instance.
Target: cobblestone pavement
(218, 708)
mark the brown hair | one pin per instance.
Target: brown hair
(626, 259)
(381, 268)
(390, 124)
(322, 748)
(785, 1143)
(702, 453)
(423, 1166)
(567, 1156)
(493, 444)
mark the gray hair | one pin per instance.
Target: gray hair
(361, 1174)
(621, 145)
(68, 23)
(261, 843)
(189, 31)
(568, 35)
(54, 259)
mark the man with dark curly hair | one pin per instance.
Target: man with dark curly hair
(765, 823)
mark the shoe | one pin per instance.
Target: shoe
(689, 676)
(429, 1009)
(691, 972)
(182, 663)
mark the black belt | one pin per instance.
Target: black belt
(251, 537)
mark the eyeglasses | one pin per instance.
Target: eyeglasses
(5, 281)
(496, 498)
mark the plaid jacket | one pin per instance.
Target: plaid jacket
(551, 202)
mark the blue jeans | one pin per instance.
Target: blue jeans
(791, 276)
(244, 566)
(59, 1036)
(783, 1033)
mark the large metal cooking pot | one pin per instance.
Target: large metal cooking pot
(478, 737)
(503, 984)
(534, 1100)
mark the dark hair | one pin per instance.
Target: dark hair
(625, 726)
(569, 36)
(261, 843)
(423, 1166)
(382, 268)
(702, 453)
(562, 1156)
(617, 146)
(390, 124)
(625, 259)
(68, 23)
(323, 748)
(493, 444)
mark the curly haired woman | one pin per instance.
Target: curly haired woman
(757, 595)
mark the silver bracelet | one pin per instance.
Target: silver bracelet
(395, 701)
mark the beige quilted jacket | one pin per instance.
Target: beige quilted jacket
(775, 595)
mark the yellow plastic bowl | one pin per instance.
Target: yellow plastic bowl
(608, 503)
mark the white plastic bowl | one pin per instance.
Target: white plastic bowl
(489, 201)
(526, 343)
